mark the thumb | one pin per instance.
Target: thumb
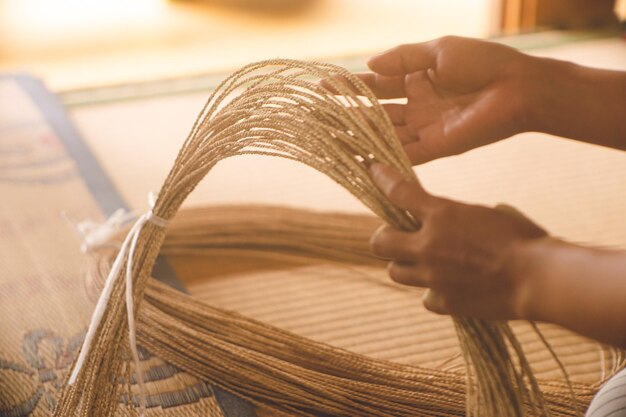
(511, 210)
(405, 194)
(404, 59)
(534, 228)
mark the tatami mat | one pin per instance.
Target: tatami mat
(354, 307)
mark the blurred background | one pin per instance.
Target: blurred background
(131, 76)
(74, 44)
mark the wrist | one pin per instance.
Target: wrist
(577, 287)
(530, 269)
(547, 87)
(576, 102)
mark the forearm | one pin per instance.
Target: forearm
(576, 102)
(580, 288)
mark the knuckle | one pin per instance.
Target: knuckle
(446, 40)
(404, 48)
(404, 51)
(440, 43)
(441, 210)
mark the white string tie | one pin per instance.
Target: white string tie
(128, 246)
(96, 235)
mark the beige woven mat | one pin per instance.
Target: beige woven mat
(44, 309)
(357, 308)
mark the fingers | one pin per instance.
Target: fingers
(396, 112)
(532, 230)
(404, 59)
(479, 305)
(384, 87)
(421, 149)
(338, 84)
(506, 208)
(404, 194)
(389, 243)
(408, 273)
(406, 135)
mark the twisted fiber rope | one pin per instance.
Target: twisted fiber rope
(284, 112)
(261, 232)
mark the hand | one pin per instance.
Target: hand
(464, 253)
(461, 94)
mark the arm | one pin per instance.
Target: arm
(464, 93)
(497, 264)
(580, 288)
(577, 102)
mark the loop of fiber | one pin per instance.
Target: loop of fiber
(279, 108)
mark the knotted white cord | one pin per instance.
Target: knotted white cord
(99, 236)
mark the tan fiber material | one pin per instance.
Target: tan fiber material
(284, 112)
(305, 288)
(345, 301)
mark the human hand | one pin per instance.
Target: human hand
(465, 254)
(461, 93)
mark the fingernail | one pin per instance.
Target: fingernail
(375, 235)
(430, 72)
(431, 301)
